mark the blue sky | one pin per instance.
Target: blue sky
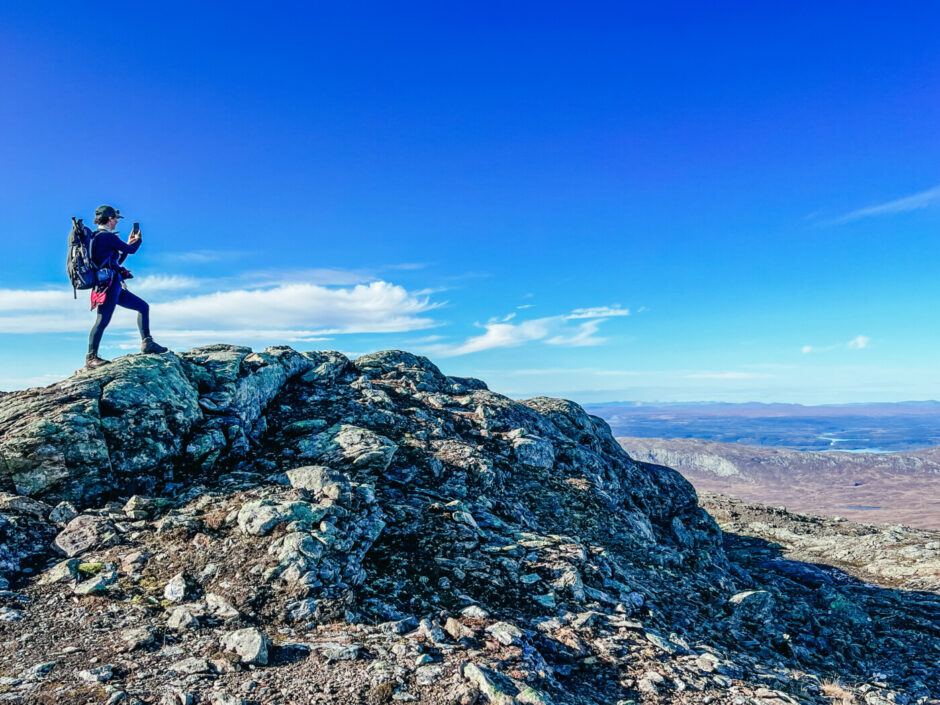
(658, 201)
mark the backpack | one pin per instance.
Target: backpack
(81, 268)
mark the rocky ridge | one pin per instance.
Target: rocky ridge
(229, 526)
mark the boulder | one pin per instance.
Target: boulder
(250, 644)
(84, 533)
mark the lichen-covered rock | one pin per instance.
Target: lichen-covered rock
(84, 533)
(258, 518)
(125, 425)
(347, 446)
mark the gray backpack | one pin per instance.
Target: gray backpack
(81, 268)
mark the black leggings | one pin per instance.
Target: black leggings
(118, 296)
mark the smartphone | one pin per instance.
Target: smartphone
(136, 228)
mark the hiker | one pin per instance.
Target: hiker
(108, 252)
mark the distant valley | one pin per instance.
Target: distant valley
(868, 487)
(850, 427)
(875, 463)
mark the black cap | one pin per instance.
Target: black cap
(107, 212)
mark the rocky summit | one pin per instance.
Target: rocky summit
(226, 526)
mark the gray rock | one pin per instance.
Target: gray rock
(428, 674)
(257, 518)
(181, 619)
(63, 513)
(84, 533)
(140, 507)
(9, 614)
(61, 572)
(15, 504)
(309, 477)
(348, 446)
(340, 652)
(99, 674)
(303, 610)
(37, 671)
(650, 682)
(138, 637)
(752, 605)
(176, 588)
(217, 698)
(218, 606)
(486, 681)
(505, 633)
(96, 584)
(475, 612)
(536, 452)
(250, 644)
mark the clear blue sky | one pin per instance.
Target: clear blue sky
(656, 201)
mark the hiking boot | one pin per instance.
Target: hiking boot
(148, 346)
(92, 361)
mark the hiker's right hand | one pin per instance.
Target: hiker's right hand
(133, 238)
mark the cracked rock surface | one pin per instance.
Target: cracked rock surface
(226, 526)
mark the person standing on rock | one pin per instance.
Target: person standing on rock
(108, 252)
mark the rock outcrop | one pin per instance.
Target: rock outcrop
(376, 531)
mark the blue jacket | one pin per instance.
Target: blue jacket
(108, 248)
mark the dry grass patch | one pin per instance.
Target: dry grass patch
(836, 692)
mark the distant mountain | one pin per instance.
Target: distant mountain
(875, 487)
(857, 427)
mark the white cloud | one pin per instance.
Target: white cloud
(300, 311)
(916, 201)
(859, 342)
(34, 299)
(499, 335)
(551, 330)
(377, 307)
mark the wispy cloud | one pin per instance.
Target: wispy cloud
(914, 202)
(731, 375)
(599, 312)
(320, 276)
(859, 342)
(545, 371)
(202, 256)
(406, 266)
(163, 282)
(551, 330)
